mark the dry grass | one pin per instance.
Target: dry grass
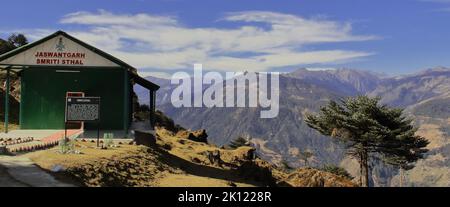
(89, 152)
(11, 126)
(175, 161)
(131, 165)
(434, 134)
(308, 177)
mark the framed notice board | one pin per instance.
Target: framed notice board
(83, 109)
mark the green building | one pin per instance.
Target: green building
(59, 64)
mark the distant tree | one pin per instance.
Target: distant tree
(403, 160)
(144, 108)
(305, 155)
(14, 41)
(370, 130)
(238, 142)
(17, 40)
(337, 171)
(164, 121)
(5, 46)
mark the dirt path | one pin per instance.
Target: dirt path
(7, 181)
(21, 171)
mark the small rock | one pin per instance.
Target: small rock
(196, 160)
(229, 183)
(167, 146)
(57, 168)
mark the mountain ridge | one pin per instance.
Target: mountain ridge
(423, 94)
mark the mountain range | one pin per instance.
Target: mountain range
(424, 95)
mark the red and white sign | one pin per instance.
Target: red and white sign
(59, 51)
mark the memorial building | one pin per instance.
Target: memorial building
(58, 66)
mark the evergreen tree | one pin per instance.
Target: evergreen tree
(14, 41)
(17, 40)
(370, 130)
(5, 46)
(238, 142)
(305, 155)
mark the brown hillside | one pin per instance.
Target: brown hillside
(308, 177)
(174, 161)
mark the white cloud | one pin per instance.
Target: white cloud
(155, 74)
(264, 62)
(32, 34)
(152, 41)
(106, 18)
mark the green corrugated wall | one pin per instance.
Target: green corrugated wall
(43, 92)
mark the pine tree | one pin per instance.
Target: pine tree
(14, 41)
(305, 155)
(17, 40)
(368, 130)
(5, 46)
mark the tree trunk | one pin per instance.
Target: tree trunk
(364, 169)
(360, 169)
(401, 177)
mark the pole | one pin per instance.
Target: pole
(98, 124)
(150, 101)
(7, 100)
(401, 177)
(98, 134)
(65, 119)
(65, 131)
(152, 109)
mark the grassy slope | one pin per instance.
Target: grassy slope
(131, 165)
(175, 161)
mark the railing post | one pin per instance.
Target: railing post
(7, 100)
(152, 96)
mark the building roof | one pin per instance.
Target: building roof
(144, 82)
(141, 81)
(87, 46)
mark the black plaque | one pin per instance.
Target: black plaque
(83, 109)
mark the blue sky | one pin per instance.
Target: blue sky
(164, 36)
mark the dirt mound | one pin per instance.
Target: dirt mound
(140, 169)
(240, 162)
(144, 138)
(309, 177)
(257, 170)
(239, 155)
(197, 136)
(244, 153)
